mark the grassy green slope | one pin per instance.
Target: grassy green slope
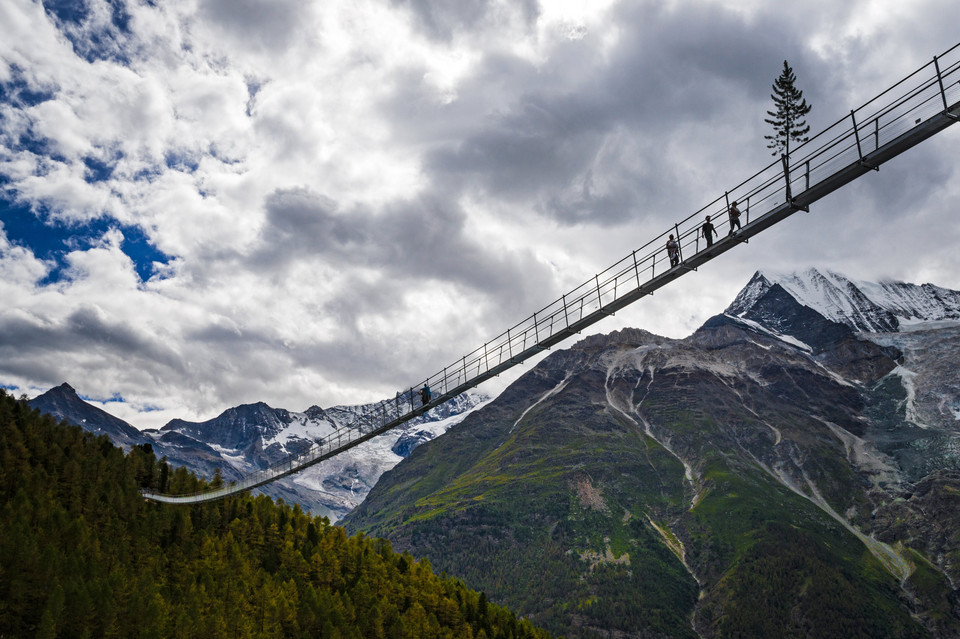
(784, 568)
(575, 516)
(553, 517)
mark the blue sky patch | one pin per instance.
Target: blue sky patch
(68, 11)
(187, 163)
(53, 239)
(97, 170)
(114, 399)
(18, 93)
(92, 44)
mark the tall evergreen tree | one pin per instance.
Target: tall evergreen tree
(788, 120)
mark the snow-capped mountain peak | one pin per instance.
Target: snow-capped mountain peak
(883, 307)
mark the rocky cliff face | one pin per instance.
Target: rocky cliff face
(775, 474)
(63, 403)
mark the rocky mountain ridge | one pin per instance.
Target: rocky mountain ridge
(250, 437)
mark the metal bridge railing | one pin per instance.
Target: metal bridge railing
(854, 144)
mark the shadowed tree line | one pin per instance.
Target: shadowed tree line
(82, 554)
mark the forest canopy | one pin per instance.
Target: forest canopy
(82, 554)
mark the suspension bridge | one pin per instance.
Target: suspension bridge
(913, 110)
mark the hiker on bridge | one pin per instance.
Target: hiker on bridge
(425, 394)
(734, 214)
(708, 231)
(673, 251)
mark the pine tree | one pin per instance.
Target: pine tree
(788, 119)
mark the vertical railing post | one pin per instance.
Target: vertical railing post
(486, 357)
(536, 330)
(786, 176)
(876, 133)
(599, 299)
(856, 135)
(807, 175)
(636, 267)
(676, 229)
(726, 197)
(943, 94)
(566, 318)
(746, 211)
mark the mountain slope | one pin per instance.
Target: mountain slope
(62, 402)
(746, 481)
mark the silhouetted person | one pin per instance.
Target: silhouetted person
(673, 251)
(708, 232)
(734, 214)
(425, 394)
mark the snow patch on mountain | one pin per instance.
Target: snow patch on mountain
(910, 326)
(340, 483)
(789, 339)
(907, 379)
(301, 428)
(235, 458)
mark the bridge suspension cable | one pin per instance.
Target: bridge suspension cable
(914, 109)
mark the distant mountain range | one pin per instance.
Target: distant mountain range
(247, 438)
(790, 469)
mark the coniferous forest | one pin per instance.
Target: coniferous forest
(82, 554)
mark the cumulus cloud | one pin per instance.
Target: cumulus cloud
(349, 195)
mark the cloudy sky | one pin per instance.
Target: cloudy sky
(213, 202)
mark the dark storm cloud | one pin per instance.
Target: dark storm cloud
(83, 329)
(270, 24)
(585, 137)
(423, 239)
(441, 19)
(301, 221)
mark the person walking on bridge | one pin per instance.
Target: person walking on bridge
(673, 251)
(425, 394)
(734, 214)
(708, 232)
